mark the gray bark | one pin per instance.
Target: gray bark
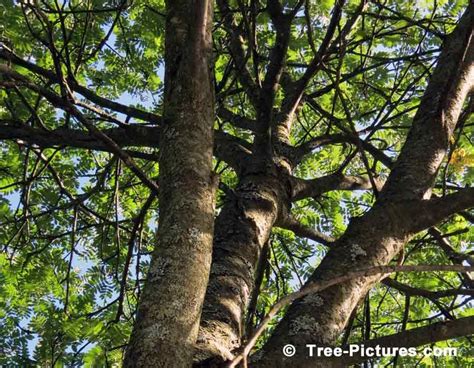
(242, 229)
(169, 310)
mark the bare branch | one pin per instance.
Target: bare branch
(431, 212)
(292, 224)
(414, 337)
(9, 56)
(412, 291)
(312, 188)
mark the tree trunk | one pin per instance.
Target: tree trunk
(320, 318)
(170, 307)
(242, 229)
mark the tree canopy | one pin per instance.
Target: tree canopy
(338, 85)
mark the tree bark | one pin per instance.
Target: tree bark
(170, 307)
(415, 337)
(242, 229)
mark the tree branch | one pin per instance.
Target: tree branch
(415, 171)
(237, 51)
(430, 212)
(294, 97)
(134, 112)
(312, 188)
(292, 224)
(414, 337)
(231, 149)
(282, 24)
(228, 148)
(237, 120)
(133, 135)
(346, 137)
(69, 107)
(412, 291)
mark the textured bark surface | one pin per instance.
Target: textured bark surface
(170, 307)
(319, 318)
(242, 229)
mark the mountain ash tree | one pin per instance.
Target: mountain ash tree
(198, 183)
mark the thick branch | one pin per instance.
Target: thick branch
(414, 337)
(231, 149)
(282, 24)
(428, 213)
(415, 171)
(312, 188)
(124, 136)
(228, 148)
(236, 120)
